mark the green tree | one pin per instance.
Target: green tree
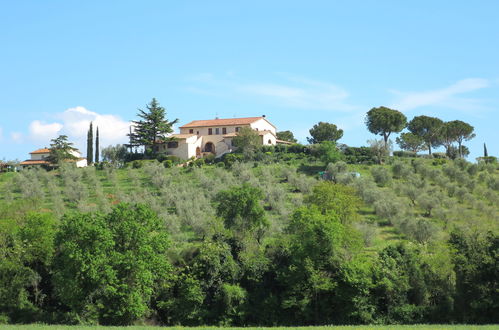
(247, 141)
(337, 198)
(61, 150)
(411, 142)
(97, 142)
(26, 252)
(115, 155)
(385, 121)
(476, 258)
(309, 263)
(152, 128)
(286, 136)
(328, 152)
(240, 208)
(457, 131)
(90, 144)
(428, 128)
(324, 132)
(108, 267)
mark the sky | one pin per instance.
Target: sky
(66, 63)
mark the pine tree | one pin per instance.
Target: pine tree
(485, 153)
(97, 145)
(90, 144)
(152, 128)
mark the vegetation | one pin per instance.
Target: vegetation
(286, 136)
(90, 144)
(286, 235)
(263, 242)
(151, 128)
(323, 131)
(385, 121)
(61, 149)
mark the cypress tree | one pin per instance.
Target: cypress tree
(485, 153)
(97, 145)
(90, 144)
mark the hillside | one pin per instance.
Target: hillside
(402, 242)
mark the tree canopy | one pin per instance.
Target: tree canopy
(152, 128)
(61, 149)
(411, 142)
(384, 121)
(456, 131)
(428, 129)
(324, 132)
(286, 136)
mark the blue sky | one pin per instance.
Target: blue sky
(64, 63)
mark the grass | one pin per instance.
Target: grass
(353, 327)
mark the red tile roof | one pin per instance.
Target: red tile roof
(223, 122)
(34, 162)
(41, 151)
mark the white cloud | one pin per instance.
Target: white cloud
(74, 122)
(16, 137)
(112, 129)
(44, 132)
(444, 97)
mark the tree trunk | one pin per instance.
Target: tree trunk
(429, 148)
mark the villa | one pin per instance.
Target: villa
(39, 158)
(202, 137)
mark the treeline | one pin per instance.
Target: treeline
(211, 251)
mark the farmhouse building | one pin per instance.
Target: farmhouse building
(201, 137)
(39, 158)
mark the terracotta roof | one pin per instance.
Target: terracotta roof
(41, 151)
(283, 142)
(223, 122)
(34, 162)
(182, 136)
(228, 135)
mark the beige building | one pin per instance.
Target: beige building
(202, 137)
(39, 158)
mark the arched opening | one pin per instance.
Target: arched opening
(198, 152)
(269, 141)
(209, 147)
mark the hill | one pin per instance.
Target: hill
(285, 240)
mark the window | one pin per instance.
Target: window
(210, 131)
(191, 131)
(238, 129)
(173, 144)
(217, 131)
(269, 142)
(224, 130)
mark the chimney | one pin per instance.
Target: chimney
(263, 116)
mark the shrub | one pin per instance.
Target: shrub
(167, 163)
(381, 175)
(439, 155)
(360, 155)
(406, 154)
(400, 169)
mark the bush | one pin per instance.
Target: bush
(381, 175)
(488, 160)
(167, 163)
(360, 155)
(439, 155)
(400, 170)
(406, 154)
